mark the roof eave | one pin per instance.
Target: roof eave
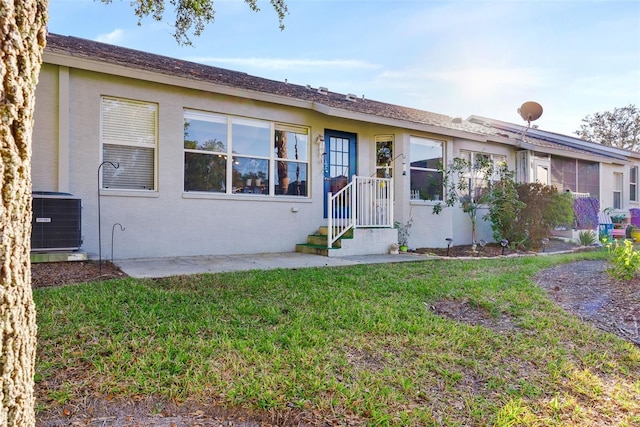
(98, 66)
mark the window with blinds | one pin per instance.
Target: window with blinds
(129, 138)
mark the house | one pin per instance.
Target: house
(196, 160)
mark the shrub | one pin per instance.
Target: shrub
(625, 260)
(504, 208)
(587, 237)
(545, 210)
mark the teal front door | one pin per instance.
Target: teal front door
(339, 162)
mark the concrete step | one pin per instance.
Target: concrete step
(324, 230)
(307, 248)
(57, 256)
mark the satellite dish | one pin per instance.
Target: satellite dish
(530, 111)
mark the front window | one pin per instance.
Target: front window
(205, 152)
(233, 155)
(425, 162)
(384, 156)
(481, 168)
(250, 140)
(128, 132)
(633, 184)
(617, 190)
(291, 152)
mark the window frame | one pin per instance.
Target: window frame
(633, 184)
(384, 143)
(617, 190)
(495, 159)
(257, 185)
(107, 139)
(415, 193)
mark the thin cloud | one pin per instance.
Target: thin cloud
(114, 37)
(472, 81)
(287, 64)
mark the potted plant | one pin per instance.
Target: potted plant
(403, 234)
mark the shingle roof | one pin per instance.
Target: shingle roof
(546, 140)
(82, 48)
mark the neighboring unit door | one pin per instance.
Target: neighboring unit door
(542, 171)
(339, 162)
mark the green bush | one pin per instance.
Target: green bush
(587, 237)
(625, 260)
(545, 209)
(504, 208)
(525, 213)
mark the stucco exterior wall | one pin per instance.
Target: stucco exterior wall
(44, 159)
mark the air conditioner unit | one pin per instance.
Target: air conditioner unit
(56, 222)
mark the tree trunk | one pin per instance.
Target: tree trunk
(22, 39)
(281, 152)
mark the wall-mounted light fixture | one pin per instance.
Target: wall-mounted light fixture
(320, 143)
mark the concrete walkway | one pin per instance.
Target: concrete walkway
(164, 267)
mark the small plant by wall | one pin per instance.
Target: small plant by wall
(403, 233)
(587, 238)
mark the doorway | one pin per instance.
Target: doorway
(339, 161)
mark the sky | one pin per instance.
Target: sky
(458, 58)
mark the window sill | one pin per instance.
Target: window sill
(425, 202)
(245, 197)
(129, 193)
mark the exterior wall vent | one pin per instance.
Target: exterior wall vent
(323, 90)
(352, 97)
(56, 222)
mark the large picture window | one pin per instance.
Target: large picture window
(426, 157)
(233, 155)
(128, 133)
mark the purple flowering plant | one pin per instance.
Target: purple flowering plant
(586, 212)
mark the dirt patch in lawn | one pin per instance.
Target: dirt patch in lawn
(583, 288)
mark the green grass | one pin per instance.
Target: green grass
(356, 344)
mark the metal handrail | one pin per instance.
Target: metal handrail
(364, 202)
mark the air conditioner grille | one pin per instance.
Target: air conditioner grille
(56, 223)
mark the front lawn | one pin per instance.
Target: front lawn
(358, 345)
